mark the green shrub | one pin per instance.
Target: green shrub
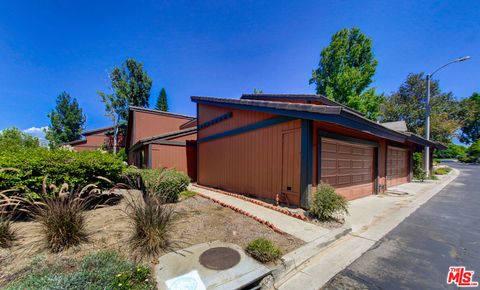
(7, 234)
(164, 183)
(59, 165)
(152, 224)
(442, 170)
(326, 204)
(96, 271)
(418, 171)
(187, 194)
(263, 250)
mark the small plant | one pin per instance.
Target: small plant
(164, 183)
(326, 204)
(152, 222)
(187, 194)
(96, 271)
(62, 220)
(7, 233)
(418, 171)
(442, 170)
(128, 279)
(263, 250)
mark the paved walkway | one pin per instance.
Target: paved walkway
(371, 218)
(302, 230)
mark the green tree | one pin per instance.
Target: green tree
(474, 149)
(12, 138)
(452, 151)
(470, 110)
(409, 102)
(162, 103)
(130, 86)
(346, 70)
(66, 121)
(257, 92)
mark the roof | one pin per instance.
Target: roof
(76, 142)
(160, 139)
(147, 110)
(333, 114)
(91, 132)
(399, 126)
(302, 97)
(186, 124)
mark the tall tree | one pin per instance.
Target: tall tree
(470, 110)
(14, 139)
(130, 86)
(409, 103)
(162, 103)
(345, 71)
(66, 121)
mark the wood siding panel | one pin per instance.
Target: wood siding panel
(248, 163)
(150, 124)
(169, 156)
(239, 119)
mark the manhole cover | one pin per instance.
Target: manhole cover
(219, 258)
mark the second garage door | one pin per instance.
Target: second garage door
(348, 167)
(397, 166)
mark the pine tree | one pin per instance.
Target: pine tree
(162, 103)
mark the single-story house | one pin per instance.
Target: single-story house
(280, 147)
(97, 138)
(157, 139)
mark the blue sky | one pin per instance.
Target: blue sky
(222, 48)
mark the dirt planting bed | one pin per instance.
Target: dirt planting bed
(197, 220)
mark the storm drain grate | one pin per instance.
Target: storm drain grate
(219, 258)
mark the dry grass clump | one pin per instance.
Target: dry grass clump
(7, 234)
(151, 223)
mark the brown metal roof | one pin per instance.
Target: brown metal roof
(322, 109)
(163, 137)
(91, 132)
(303, 97)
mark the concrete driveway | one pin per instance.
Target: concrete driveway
(417, 254)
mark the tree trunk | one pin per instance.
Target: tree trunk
(115, 135)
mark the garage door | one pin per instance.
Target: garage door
(397, 166)
(348, 167)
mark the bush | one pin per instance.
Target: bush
(62, 220)
(418, 171)
(442, 170)
(59, 166)
(101, 270)
(263, 250)
(7, 234)
(152, 223)
(326, 204)
(163, 183)
(187, 194)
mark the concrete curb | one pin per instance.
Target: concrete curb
(295, 259)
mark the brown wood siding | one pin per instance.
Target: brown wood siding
(248, 163)
(92, 142)
(348, 167)
(397, 166)
(169, 156)
(239, 118)
(150, 124)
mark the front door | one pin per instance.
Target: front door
(291, 166)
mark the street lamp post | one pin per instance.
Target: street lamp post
(427, 112)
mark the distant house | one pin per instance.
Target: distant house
(157, 139)
(97, 138)
(280, 147)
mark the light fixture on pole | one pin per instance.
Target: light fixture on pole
(427, 112)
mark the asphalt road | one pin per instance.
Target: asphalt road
(444, 232)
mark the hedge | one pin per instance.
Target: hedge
(25, 169)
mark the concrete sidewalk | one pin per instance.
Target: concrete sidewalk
(371, 218)
(300, 229)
